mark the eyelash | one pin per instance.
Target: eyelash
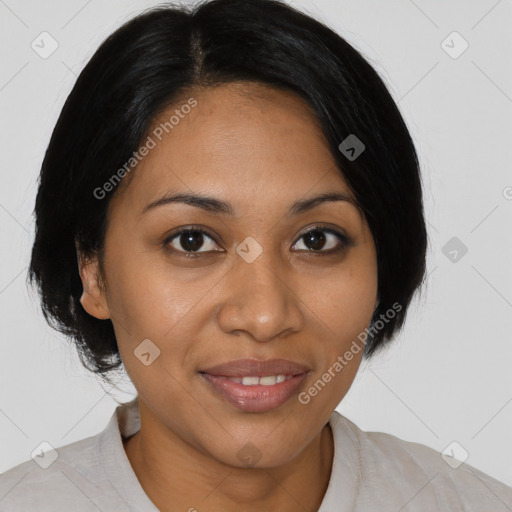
(344, 241)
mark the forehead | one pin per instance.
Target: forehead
(243, 141)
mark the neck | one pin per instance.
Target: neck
(178, 477)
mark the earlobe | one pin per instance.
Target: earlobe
(93, 297)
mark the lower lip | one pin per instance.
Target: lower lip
(256, 398)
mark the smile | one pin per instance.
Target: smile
(253, 393)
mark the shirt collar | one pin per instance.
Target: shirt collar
(341, 492)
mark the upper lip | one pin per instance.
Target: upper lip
(256, 368)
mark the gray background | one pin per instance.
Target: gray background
(447, 377)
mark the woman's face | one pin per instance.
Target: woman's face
(257, 285)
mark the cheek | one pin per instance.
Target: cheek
(345, 300)
(344, 305)
(146, 297)
(354, 305)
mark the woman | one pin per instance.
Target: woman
(230, 208)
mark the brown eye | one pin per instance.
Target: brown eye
(323, 240)
(190, 240)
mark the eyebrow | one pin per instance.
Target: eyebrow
(216, 206)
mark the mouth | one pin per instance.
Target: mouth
(256, 386)
(254, 380)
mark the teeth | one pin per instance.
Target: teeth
(268, 380)
(250, 381)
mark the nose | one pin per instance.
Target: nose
(259, 301)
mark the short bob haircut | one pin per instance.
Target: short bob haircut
(154, 60)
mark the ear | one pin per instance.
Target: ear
(93, 298)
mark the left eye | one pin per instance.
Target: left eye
(316, 240)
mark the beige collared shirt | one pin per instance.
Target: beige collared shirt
(371, 472)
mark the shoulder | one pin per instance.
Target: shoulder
(64, 478)
(395, 472)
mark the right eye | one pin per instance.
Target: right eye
(191, 240)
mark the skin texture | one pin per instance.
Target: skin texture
(259, 149)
